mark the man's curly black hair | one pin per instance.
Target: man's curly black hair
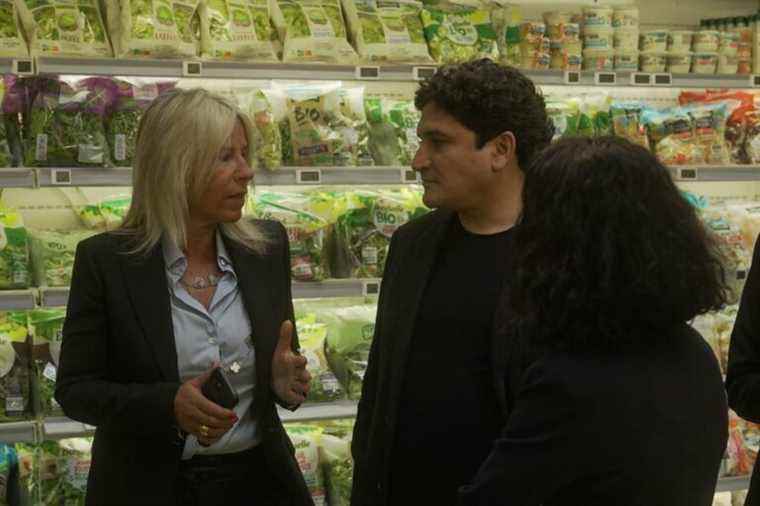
(608, 253)
(490, 99)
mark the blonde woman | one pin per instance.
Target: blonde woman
(185, 286)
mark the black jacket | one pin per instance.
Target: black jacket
(118, 368)
(644, 428)
(411, 257)
(743, 374)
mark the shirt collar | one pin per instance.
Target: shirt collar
(176, 261)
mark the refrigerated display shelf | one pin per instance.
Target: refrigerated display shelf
(59, 297)
(11, 300)
(17, 178)
(732, 484)
(716, 173)
(312, 71)
(61, 427)
(84, 176)
(320, 411)
(18, 432)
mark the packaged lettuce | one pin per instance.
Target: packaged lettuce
(46, 326)
(266, 140)
(14, 251)
(305, 439)
(11, 41)
(393, 130)
(365, 231)
(64, 28)
(385, 31)
(671, 134)
(10, 140)
(312, 31)
(237, 30)
(506, 20)
(307, 232)
(339, 469)
(626, 122)
(132, 97)
(312, 332)
(15, 367)
(154, 28)
(350, 328)
(53, 255)
(62, 468)
(324, 125)
(458, 33)
(66, 123)
(106, 214)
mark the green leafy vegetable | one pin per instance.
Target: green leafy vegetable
(47, 332)
(53, 255)
(393, 130)
(457, 34)
(15, 363)
(65, 27)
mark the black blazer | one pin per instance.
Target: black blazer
(641, 429)
(118, 367)
(743, 374)
(411, 257)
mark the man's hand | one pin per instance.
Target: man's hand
(199, 416)
(290, 379)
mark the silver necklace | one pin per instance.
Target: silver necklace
(202, 282)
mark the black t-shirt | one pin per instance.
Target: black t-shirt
(448, 413)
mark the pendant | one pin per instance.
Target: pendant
(235, 367)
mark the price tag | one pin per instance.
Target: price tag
(641, 79)
(605, 78)
(688, 174)
(192, 68)
(422, 73)
(371, 73)
(61, 177)
(410, 176)
(572, 77)
(23, 67)
(662, 79)
(370, 288)
(754, 81)
(308, 176)
(740, 275)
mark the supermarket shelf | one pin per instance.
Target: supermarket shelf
(18, 432)
(588, 78)
(716, 173)
(84, 176)
(59, 297)
(62, 427)
(336, 288)
(16, 178)
(320, 411)
(17, 299)
(731, 484)
(54, 297)
(336, 176)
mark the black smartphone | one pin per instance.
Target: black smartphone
(219, 390)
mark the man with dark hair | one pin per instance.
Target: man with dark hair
(436, 391)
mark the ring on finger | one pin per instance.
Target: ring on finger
(203, 430)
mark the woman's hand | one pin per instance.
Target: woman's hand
(290, 379)
(199, 416)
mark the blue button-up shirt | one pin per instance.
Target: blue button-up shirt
(221, 333)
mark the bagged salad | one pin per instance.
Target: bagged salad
(312, 31)
(671, 135)
(306, 439)
(11, 40)
(237, 30)
(106, 214)
(339, 469)
(323, 125)
(350, 329)
(131, 98)
(12, 99)
(53, 255)
(312, 332)
(506, 20)
(61, 471)
(15, 367)
(459, 33)
(154, 28)
(709, 122)
(393, 130)
(585, 115)
(46, 325)
(365, 230)
(387, 31)
(66, 123)
(14, 251)
(64, 28)
(626, 122)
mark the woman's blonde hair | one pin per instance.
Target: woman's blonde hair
(178, 143)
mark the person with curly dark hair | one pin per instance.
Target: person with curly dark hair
(621, 401)
(434, 396)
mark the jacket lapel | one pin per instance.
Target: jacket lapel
(413, 274)
(146, 283)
